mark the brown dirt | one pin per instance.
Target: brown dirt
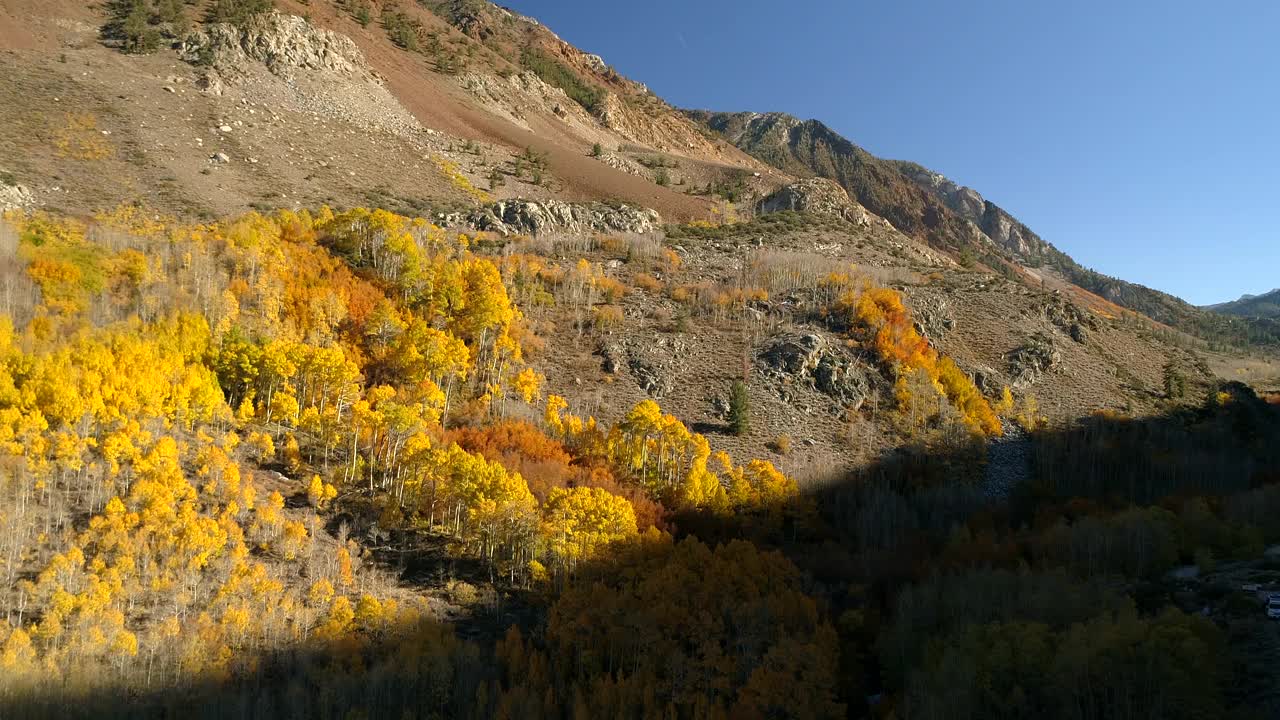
(438, 103)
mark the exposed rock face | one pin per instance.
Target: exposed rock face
(648, 378)
(987, 380)
(1031, 362)
(817, 196)
(650, 365)
(806, 147)
(284, 43)
(999, 226)
(15, 197)
(326, 71)
(811, 359)
(529, 217)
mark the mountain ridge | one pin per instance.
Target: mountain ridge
(930, 207)
(1262, 305)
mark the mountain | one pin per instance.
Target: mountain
(377, 359)
(1266, 305)
(937, 210)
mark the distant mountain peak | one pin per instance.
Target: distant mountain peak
(1264, 305)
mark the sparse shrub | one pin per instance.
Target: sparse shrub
(606, 317)
(597, 150)
(648, 283)
(781, 444)
(610, 288)
(462, 592)
(363, 14)
(661, 177)
(612, 244)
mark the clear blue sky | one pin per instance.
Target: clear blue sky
(1142, 137)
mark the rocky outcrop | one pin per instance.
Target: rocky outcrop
(284, 43)
(535, 217)
(814, 361)
(324, 71)
(516, 96)
(933, 315)
(15, 197)
(815, 196)
(1069, 318)
(651, 365)
(1036, 358)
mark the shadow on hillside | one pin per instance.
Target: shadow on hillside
(857, 541)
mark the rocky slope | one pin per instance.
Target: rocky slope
(933, 208)
(463, 108)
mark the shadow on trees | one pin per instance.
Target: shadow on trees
(902, 590)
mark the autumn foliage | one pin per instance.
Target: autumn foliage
(879, 315)
(160, 376)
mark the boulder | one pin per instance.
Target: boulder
(794, 354)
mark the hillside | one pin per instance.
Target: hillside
(400, 360)
(418, 136)
(934, 209)
(1266, 305)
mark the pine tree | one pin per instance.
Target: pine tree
(739, 409)
(1175, 385)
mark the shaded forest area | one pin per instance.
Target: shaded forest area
(905, 595)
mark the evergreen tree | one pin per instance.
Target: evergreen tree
(739, 409)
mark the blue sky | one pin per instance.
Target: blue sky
(1142, 137)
